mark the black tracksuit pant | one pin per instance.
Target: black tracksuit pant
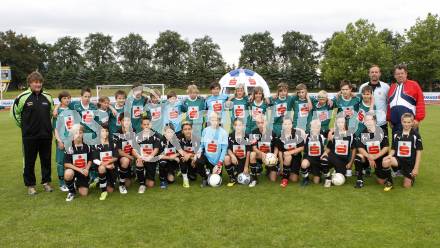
(32, 148)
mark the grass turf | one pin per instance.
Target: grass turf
(265, 216)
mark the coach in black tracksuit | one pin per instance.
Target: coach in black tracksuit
(32, 112)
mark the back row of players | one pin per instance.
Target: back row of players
(150, 135)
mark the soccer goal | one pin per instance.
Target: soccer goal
(110, 89)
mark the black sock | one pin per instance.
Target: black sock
(254, 171)
(325, 168)
(231, 172)
(123, 174)
(102, 182)
(140, 173)
(163, 172)
(71, 186)
(359, 167)
(286, 171)
(388, 176)
(305, 173)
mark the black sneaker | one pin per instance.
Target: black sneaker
(359, 184)
(305, 182)
(204, 183)
(387, 186)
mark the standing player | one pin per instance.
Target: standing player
(61, 133)
(173, 111)
(136, 102)
(313, 150)
(322, 110)
(364, 107)
(256, 108)
(103, 114)
(78, 160)
(263, 142)
(146, 160)
(116, 110)
(195, 106)
(406, 152)
(106, 153)
(281, 106)
(155, 111)
(290, 145)
(213, 148)
(372, 147)
(239, 104)
(237, 159)
(302, 107)
(86, 111)
(216, 101)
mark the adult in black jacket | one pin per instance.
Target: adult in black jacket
(32, 112)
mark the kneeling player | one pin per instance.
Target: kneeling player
(340, 148)
(406, 152)
(372, 145)
(290, 145)
(187, 153)
(146, 162)
(105, 152)
(237, 159)
(313, 160)
(124, 140)
(169, 157)
(262, 140)
(77, 162)
(212, 150)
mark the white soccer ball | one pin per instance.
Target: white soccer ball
(338, 179)
(270, 160)
(214, 180)
(243, 178)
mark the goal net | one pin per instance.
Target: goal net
(110, 89)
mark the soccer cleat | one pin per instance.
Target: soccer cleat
(164, 185)
(284, 182)
(64, 188)
(103, 196)
(204, 183)
(348, 173)
(305, 182)
(232, 182)
(327, 183)
(359, 184)
(70, 197)
(253, 183)
(32, 191)
(388, 186)
(185, 183)
(123, 189)
(47, 187)
(142, 189)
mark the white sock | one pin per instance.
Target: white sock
(185, 177)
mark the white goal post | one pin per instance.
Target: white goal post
(126, 88)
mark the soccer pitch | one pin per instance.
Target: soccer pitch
(264, 216)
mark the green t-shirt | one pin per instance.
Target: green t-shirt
(239, 108)
(281, 108)
(115, 120)
(362, 110)
(254, 110)
(195, 110)
(302, 113)
(323, 113)
(348, 107)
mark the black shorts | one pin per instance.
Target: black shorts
(380, 173)
(315, 164)
(337, 162)
(406, 167)
(110, 175)
(150, 170)
(81, 181)
(296, 163)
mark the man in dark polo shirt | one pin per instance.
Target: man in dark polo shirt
(32, 112)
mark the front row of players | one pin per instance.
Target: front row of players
(292, 155)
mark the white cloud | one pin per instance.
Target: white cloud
(224, 21)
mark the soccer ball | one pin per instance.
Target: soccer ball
(338, 179)
(270, 160)
(243, 178)
(214, 180)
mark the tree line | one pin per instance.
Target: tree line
(98, 59)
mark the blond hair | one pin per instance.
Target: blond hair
(192, 88)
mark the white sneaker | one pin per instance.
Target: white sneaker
(141, 189)
(122, 189)
(64, 188)
(348, 173)
(253, 184)
(327, 183)
(70, 197)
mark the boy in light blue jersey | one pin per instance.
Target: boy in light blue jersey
(173, 109)
(212, 150)
(116, 110)
(135, 104)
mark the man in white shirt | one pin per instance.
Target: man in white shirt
(380, 93)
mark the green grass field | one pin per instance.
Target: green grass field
(265, 216)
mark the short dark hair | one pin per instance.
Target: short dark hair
(171, 94)
(401, 67)
(345, 82)
(34, 76)
(120, 93)
(367, 88)
(62, 94)
(214, 85)
(135, 85)
(85, 89)
(186, 123)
